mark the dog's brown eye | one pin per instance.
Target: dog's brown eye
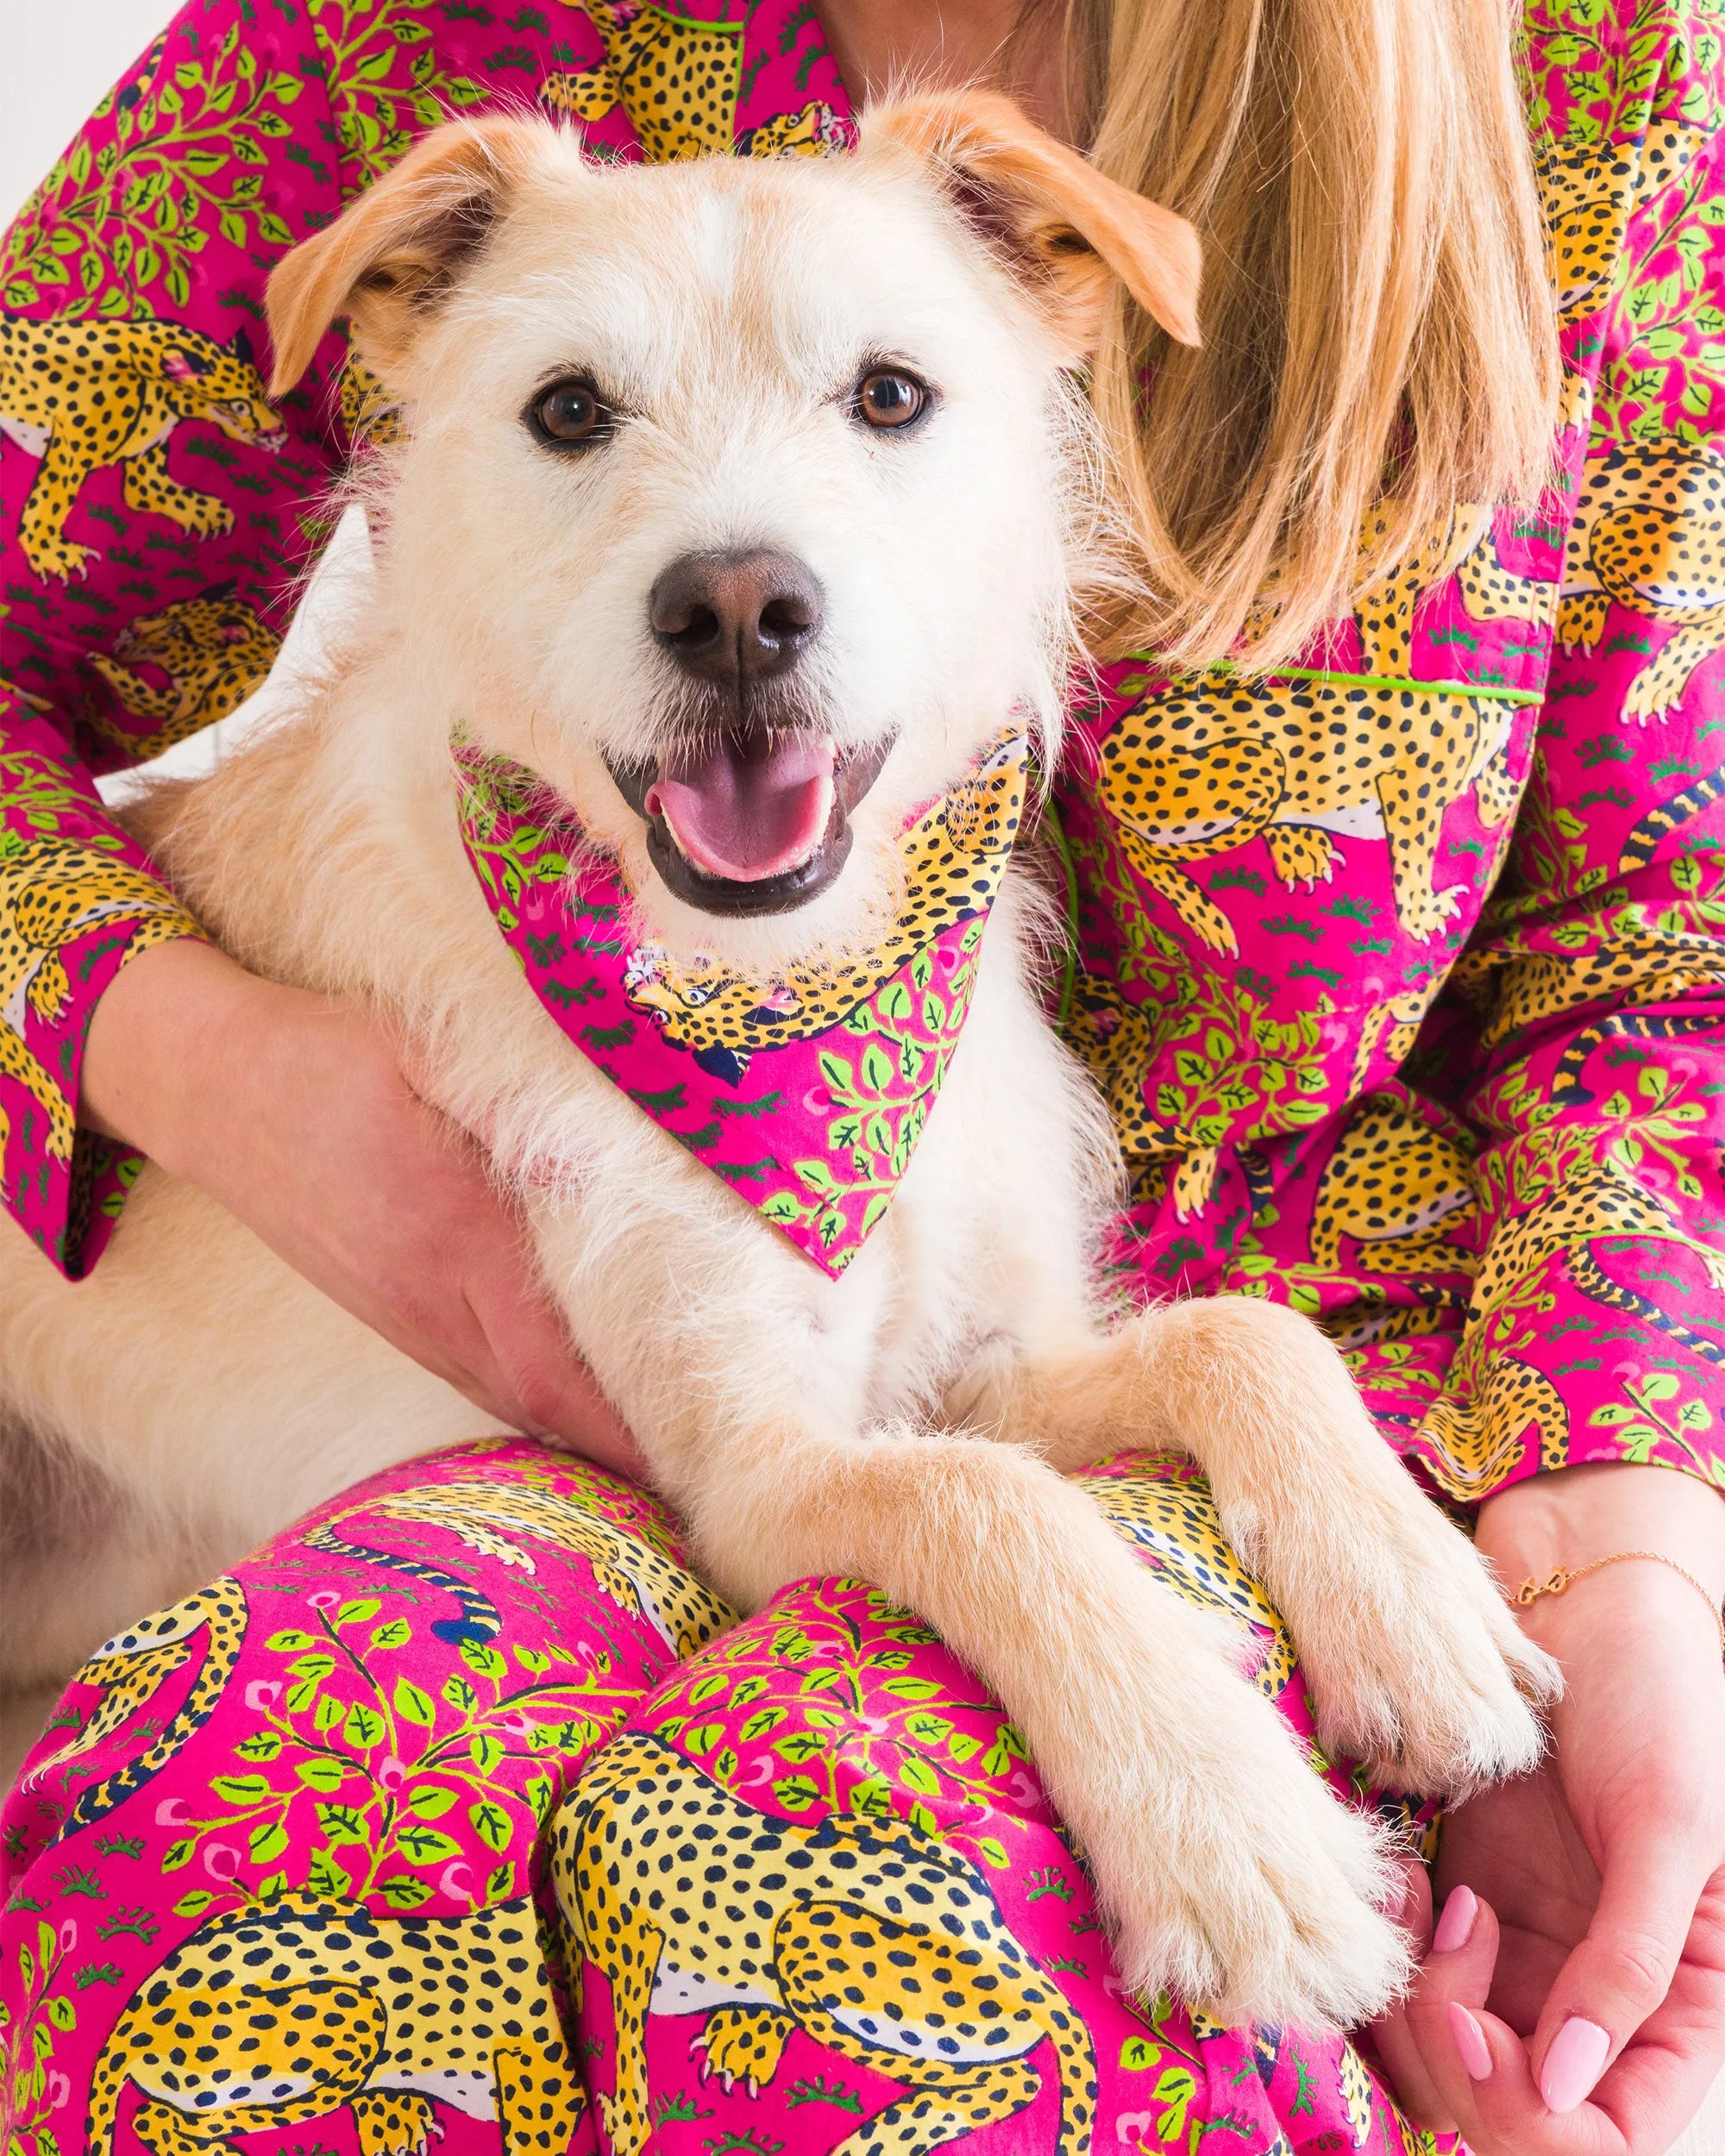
(888, 397)
(570, 412)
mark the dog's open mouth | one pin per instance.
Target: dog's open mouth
(751, 820)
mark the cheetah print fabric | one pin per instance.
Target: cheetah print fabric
(211, 652)
(75, 397)
(1472, 842)
(678, 81)
(839, 1064)
(462, 1818)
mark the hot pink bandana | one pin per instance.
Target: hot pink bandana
(807, 1092)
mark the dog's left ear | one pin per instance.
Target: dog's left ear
(395, 249)
(1059, 225)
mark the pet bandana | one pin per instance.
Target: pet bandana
(807, 1092)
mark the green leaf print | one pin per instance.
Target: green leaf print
(413, 1705)
(110, 228)
(385, 83)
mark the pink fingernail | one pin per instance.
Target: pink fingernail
(1470, 2042)
(1455, 1926)
(1574, 2063)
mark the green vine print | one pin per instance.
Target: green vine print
(186, 158)
(36, 793)
(881, 1100)
(1613, 71)
(381, 1761)
(386, 87)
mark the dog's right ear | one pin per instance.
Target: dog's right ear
(396, 248)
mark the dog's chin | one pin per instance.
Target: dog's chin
(773, 887)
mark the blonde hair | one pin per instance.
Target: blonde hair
(1378, 313)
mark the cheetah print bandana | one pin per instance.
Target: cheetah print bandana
(807, 1094)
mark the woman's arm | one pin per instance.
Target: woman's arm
(164, 509)
(1575, 2003)
(154, 535)
(294, 1112)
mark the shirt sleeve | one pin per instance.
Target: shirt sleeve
(1587, 1017)
(156, 509)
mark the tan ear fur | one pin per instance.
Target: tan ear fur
(1060, 219)
(397, 245)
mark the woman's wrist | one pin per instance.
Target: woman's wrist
(1574, 1516)
(159, 1041)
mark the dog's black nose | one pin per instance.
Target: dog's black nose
(735, 618)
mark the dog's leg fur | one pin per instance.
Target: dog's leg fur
(1412, 1656)
(78, 1563)
(1231, 1874)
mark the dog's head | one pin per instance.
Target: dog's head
(741, 499)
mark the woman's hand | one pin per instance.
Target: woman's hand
(1573, 2003)
(293, 1112)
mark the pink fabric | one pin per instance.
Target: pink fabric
(808, 1094)
(383, 1725)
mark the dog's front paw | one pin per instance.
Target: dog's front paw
(1416, 1663)
(1250, 1888)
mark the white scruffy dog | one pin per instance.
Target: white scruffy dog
(828, 406)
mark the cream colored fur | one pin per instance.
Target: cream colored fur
(911, 1421)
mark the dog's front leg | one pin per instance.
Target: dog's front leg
(1415, 1662)
(1229, 1872)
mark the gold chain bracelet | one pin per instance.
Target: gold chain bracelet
(1559, 1580)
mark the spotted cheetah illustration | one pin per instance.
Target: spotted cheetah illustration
(132, 1668)
(1522, 988)
(678, 82)
(868, 1934)
(215, 652)
(1398, 1188)
(1477, 1429)
(79, 395)
(1596, 1201)
(1589, 191)
(1649, 532)
(495, 1518)
(1198, 771)
(950, 863)
(369, 413)
(49, 897)
(283, 2015)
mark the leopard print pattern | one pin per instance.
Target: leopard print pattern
(678, 82)
(277, 2016)
(492, 1517)
(1528, 988)
(1397, 1187)
(1649, 532)
(868, 1935)
(79, 395)
(1476, 1433)
(131, 1668)
(951, 862)
(1590, 193)
(48, 898)
(215, 652)
(1198, 772)
(369, 413)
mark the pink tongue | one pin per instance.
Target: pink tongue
(747, 808)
